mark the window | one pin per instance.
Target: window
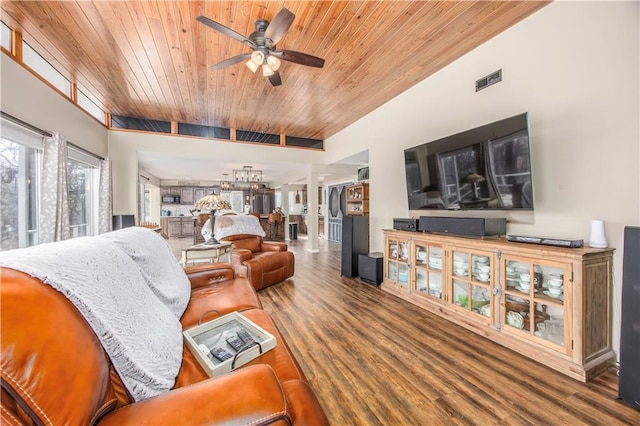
(88, 105)
(6, 37)
(80, 180)
(20, 165)
(278, 198)
(33, 60)
(146, 213)
(19, 202)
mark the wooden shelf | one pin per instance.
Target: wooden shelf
(482, 286)
(357, 199)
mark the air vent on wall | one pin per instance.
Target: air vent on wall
(489, 80)
(188, 183)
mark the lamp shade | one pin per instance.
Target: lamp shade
(212, 202)
(267, 71)
(252, 66)
(273, 62)
(257, 59)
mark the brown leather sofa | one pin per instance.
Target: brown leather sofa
(263, 263)
(55, 371)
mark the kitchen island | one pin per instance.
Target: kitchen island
(177, 226)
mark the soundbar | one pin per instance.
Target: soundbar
(466, 226)
(546, 241)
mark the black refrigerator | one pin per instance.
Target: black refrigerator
(355, 241)
(629, 381)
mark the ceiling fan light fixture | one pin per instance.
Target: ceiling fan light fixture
(263, 45)
(273, 62)
(267, 71)
(252, 66)
(257, 59)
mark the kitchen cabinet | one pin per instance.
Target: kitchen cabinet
(189, 195)
(177, 226)
(199, 193)
(169, 190)
(551, 304)
(186, 195)
(186, 227)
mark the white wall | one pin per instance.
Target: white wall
(575, 68)
(26, 97)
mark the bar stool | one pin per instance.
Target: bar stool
(273, 220)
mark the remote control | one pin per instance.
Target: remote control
(245, 336)
(221, 354)
(235, 343)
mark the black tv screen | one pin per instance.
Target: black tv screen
(488, 167)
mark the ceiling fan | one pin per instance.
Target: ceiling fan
(263, 43)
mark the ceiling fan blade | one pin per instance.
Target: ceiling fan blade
(224, 30)
(231, 61)
(275, 79)
(280, 25)
(299, 58)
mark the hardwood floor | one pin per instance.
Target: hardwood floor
(374, 359)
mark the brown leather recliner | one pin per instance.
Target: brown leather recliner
(263, 263)
(55, 371)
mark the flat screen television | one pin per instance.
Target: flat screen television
(488, 167)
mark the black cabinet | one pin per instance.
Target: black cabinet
(629, 382)
(355, 241)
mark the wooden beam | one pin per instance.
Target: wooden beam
(16, 46)
(74, 92)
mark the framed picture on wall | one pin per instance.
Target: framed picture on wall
(363, 174)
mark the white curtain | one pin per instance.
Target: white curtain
(54, 203)
(105, 197)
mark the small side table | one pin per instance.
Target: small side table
(210, 252)
(370, 268)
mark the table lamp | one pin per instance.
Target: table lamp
(212, 202)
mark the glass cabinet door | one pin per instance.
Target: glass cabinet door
(534, 300)
(471, 281)
(428, 270)
(397, 266)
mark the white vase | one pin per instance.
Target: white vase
(597, 238)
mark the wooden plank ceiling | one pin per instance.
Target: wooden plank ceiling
(152, 59)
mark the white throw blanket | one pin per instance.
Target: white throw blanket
(235, 225)
(158, 265)
(141, 335)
